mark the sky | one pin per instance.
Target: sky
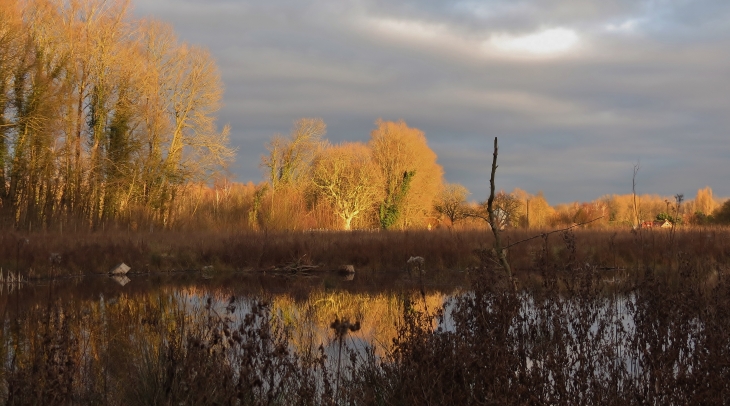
(577, 91)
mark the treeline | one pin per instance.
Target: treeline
(103, 118)
(394, 182)
(520, 209)
(389, 182)
(303, 206)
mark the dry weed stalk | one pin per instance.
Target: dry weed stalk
(341, 329)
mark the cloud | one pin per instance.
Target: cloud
(576, 91)
(544, 42)
(627, 26)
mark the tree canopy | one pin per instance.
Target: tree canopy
(101, 114)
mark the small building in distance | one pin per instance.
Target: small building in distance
(656, 224)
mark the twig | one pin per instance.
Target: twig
(552, 232)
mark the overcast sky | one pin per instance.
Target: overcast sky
(578, 91)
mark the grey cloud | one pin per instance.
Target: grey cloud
(571, 125)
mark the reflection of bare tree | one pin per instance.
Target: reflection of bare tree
(378, 314)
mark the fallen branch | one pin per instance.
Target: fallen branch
(552, 232)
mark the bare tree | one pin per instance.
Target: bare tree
(452, 203)
(99, 111)
(498, 246)
(505, 210)
(347, 176)
(637, 220)
(182, 94)
(290, 157)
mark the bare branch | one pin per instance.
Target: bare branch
(553, 231)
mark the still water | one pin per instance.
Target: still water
(306, 305)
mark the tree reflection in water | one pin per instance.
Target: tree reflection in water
(247, 336)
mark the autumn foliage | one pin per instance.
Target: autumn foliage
(110, 121)
(103, 118)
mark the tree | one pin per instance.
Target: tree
(37, 92)
(179, 97)
(290, 157)
(347, 176)
(722, 213)
(506, 208)
(539, 211)
(451, 202)
(704, 202)
(99, 111)
(664, 216)
(411, 177)
(11, 39)
(620, 209)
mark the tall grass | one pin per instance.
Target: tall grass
(88, 253)
(597, 319)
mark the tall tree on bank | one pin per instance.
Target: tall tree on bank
(100, 113)
(36, 94)
(11, 46)
(411, 177)
(182, 94)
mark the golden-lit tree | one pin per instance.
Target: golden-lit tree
(507, 210)
(704, 202)
(36, 94)
(451, 203)
(182, 141)
(411, 177)
(100, 112)
(289, 158)
(537, 211)
(619, 209)
(11, 44)
(349, 179)
(287, 167)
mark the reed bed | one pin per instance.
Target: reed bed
(598, 318)
(47, 254)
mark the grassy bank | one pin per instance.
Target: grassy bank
(88, 253)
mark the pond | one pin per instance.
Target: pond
(306, 304)
(269, 338)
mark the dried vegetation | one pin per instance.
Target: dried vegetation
(598, 318)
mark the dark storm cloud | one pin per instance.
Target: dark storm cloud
(644, 81)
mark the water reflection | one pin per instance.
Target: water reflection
(304, 305)
(587, 338)
(121, 279)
